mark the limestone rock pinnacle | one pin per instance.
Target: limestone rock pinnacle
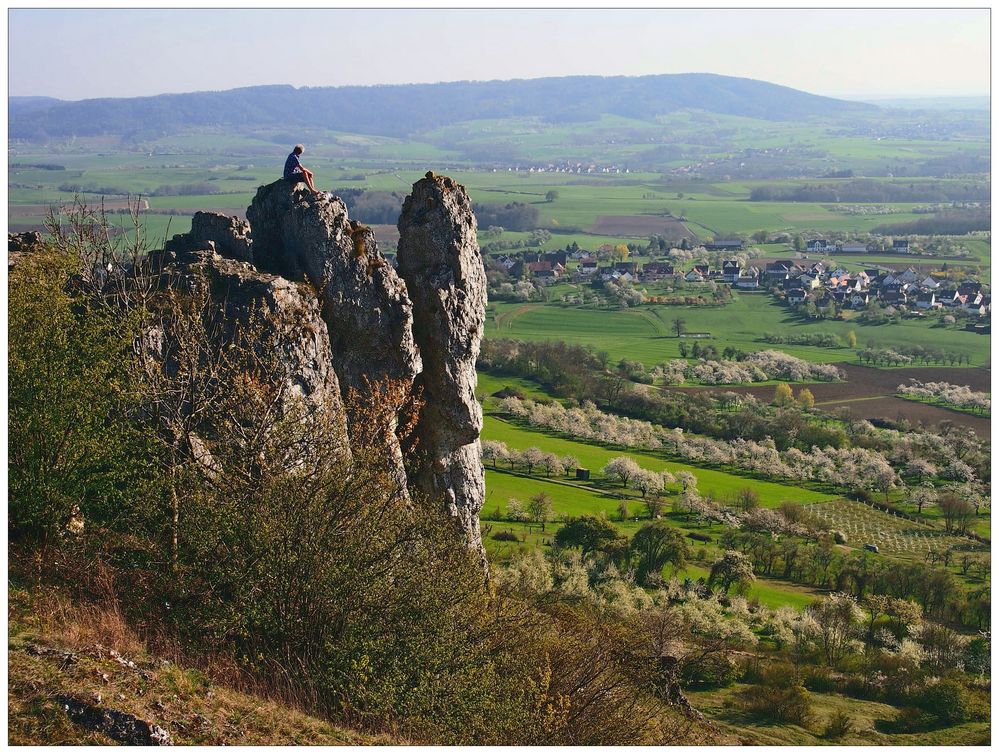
(440, 261)
(364, 302)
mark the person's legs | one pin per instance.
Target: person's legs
(303, 177)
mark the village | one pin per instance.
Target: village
(795, 281)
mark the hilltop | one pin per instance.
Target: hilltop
(403, 110)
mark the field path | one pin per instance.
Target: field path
(661, 327)
(507, 318)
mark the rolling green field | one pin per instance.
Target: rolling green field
(643, 334)
(234, 165)
(718, 484)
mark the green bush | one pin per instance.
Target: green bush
(778, 696)
(819, 678)
(947, 700)
(70, 391)
(838, 726)
(714, 671)
(783, 705)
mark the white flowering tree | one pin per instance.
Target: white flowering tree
(732, 569)
(552, 464)
(515, 510)
(838, 617)
(570, 463)
(531, 457)
(648, 483)
(494, 450)
(621, 468)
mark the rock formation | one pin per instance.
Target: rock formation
(230, 234)
(291, 325)
(440, 261)
(19, 244)
(363, 301)
(376, 329)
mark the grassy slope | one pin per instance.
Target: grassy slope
(721, 706)
(193, 709)
(644, 333)
(719, 484)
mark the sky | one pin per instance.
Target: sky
(839, 52)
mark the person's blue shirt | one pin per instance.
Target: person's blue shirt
(292, 165)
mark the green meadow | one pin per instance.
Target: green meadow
(644, 333)
(234, 165)
(720, 485)
(571, 500)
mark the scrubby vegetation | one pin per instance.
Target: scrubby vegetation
(257, 540)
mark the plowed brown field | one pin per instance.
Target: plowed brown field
(640, 226)
(870, 394)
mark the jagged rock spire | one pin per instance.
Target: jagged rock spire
(364, 303)
(440, 261)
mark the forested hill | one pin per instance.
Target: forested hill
(400, 110)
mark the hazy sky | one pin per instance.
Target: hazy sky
(76, 54)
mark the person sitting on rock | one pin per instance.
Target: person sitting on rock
(296, 172)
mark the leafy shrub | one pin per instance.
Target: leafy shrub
(864, 496)
(783, 705)
(859, 686)
(819, 678)
(510, 392)
(713, 671)
(70, 392)
(506, 536)
(839, 725)
(947, 700)
(778, 695)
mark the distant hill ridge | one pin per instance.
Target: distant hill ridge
(401, 110)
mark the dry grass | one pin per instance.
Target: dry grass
(193, 705)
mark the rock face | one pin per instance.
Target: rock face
(440, 261)
(230, 234)
(19, 244)
(291, 322)
(419, 333)
(266, 216)
(363, 301)
(211, 231)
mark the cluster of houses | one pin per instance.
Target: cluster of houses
(799, 281)
(550, 266)
(898, 246)
(856, 290)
